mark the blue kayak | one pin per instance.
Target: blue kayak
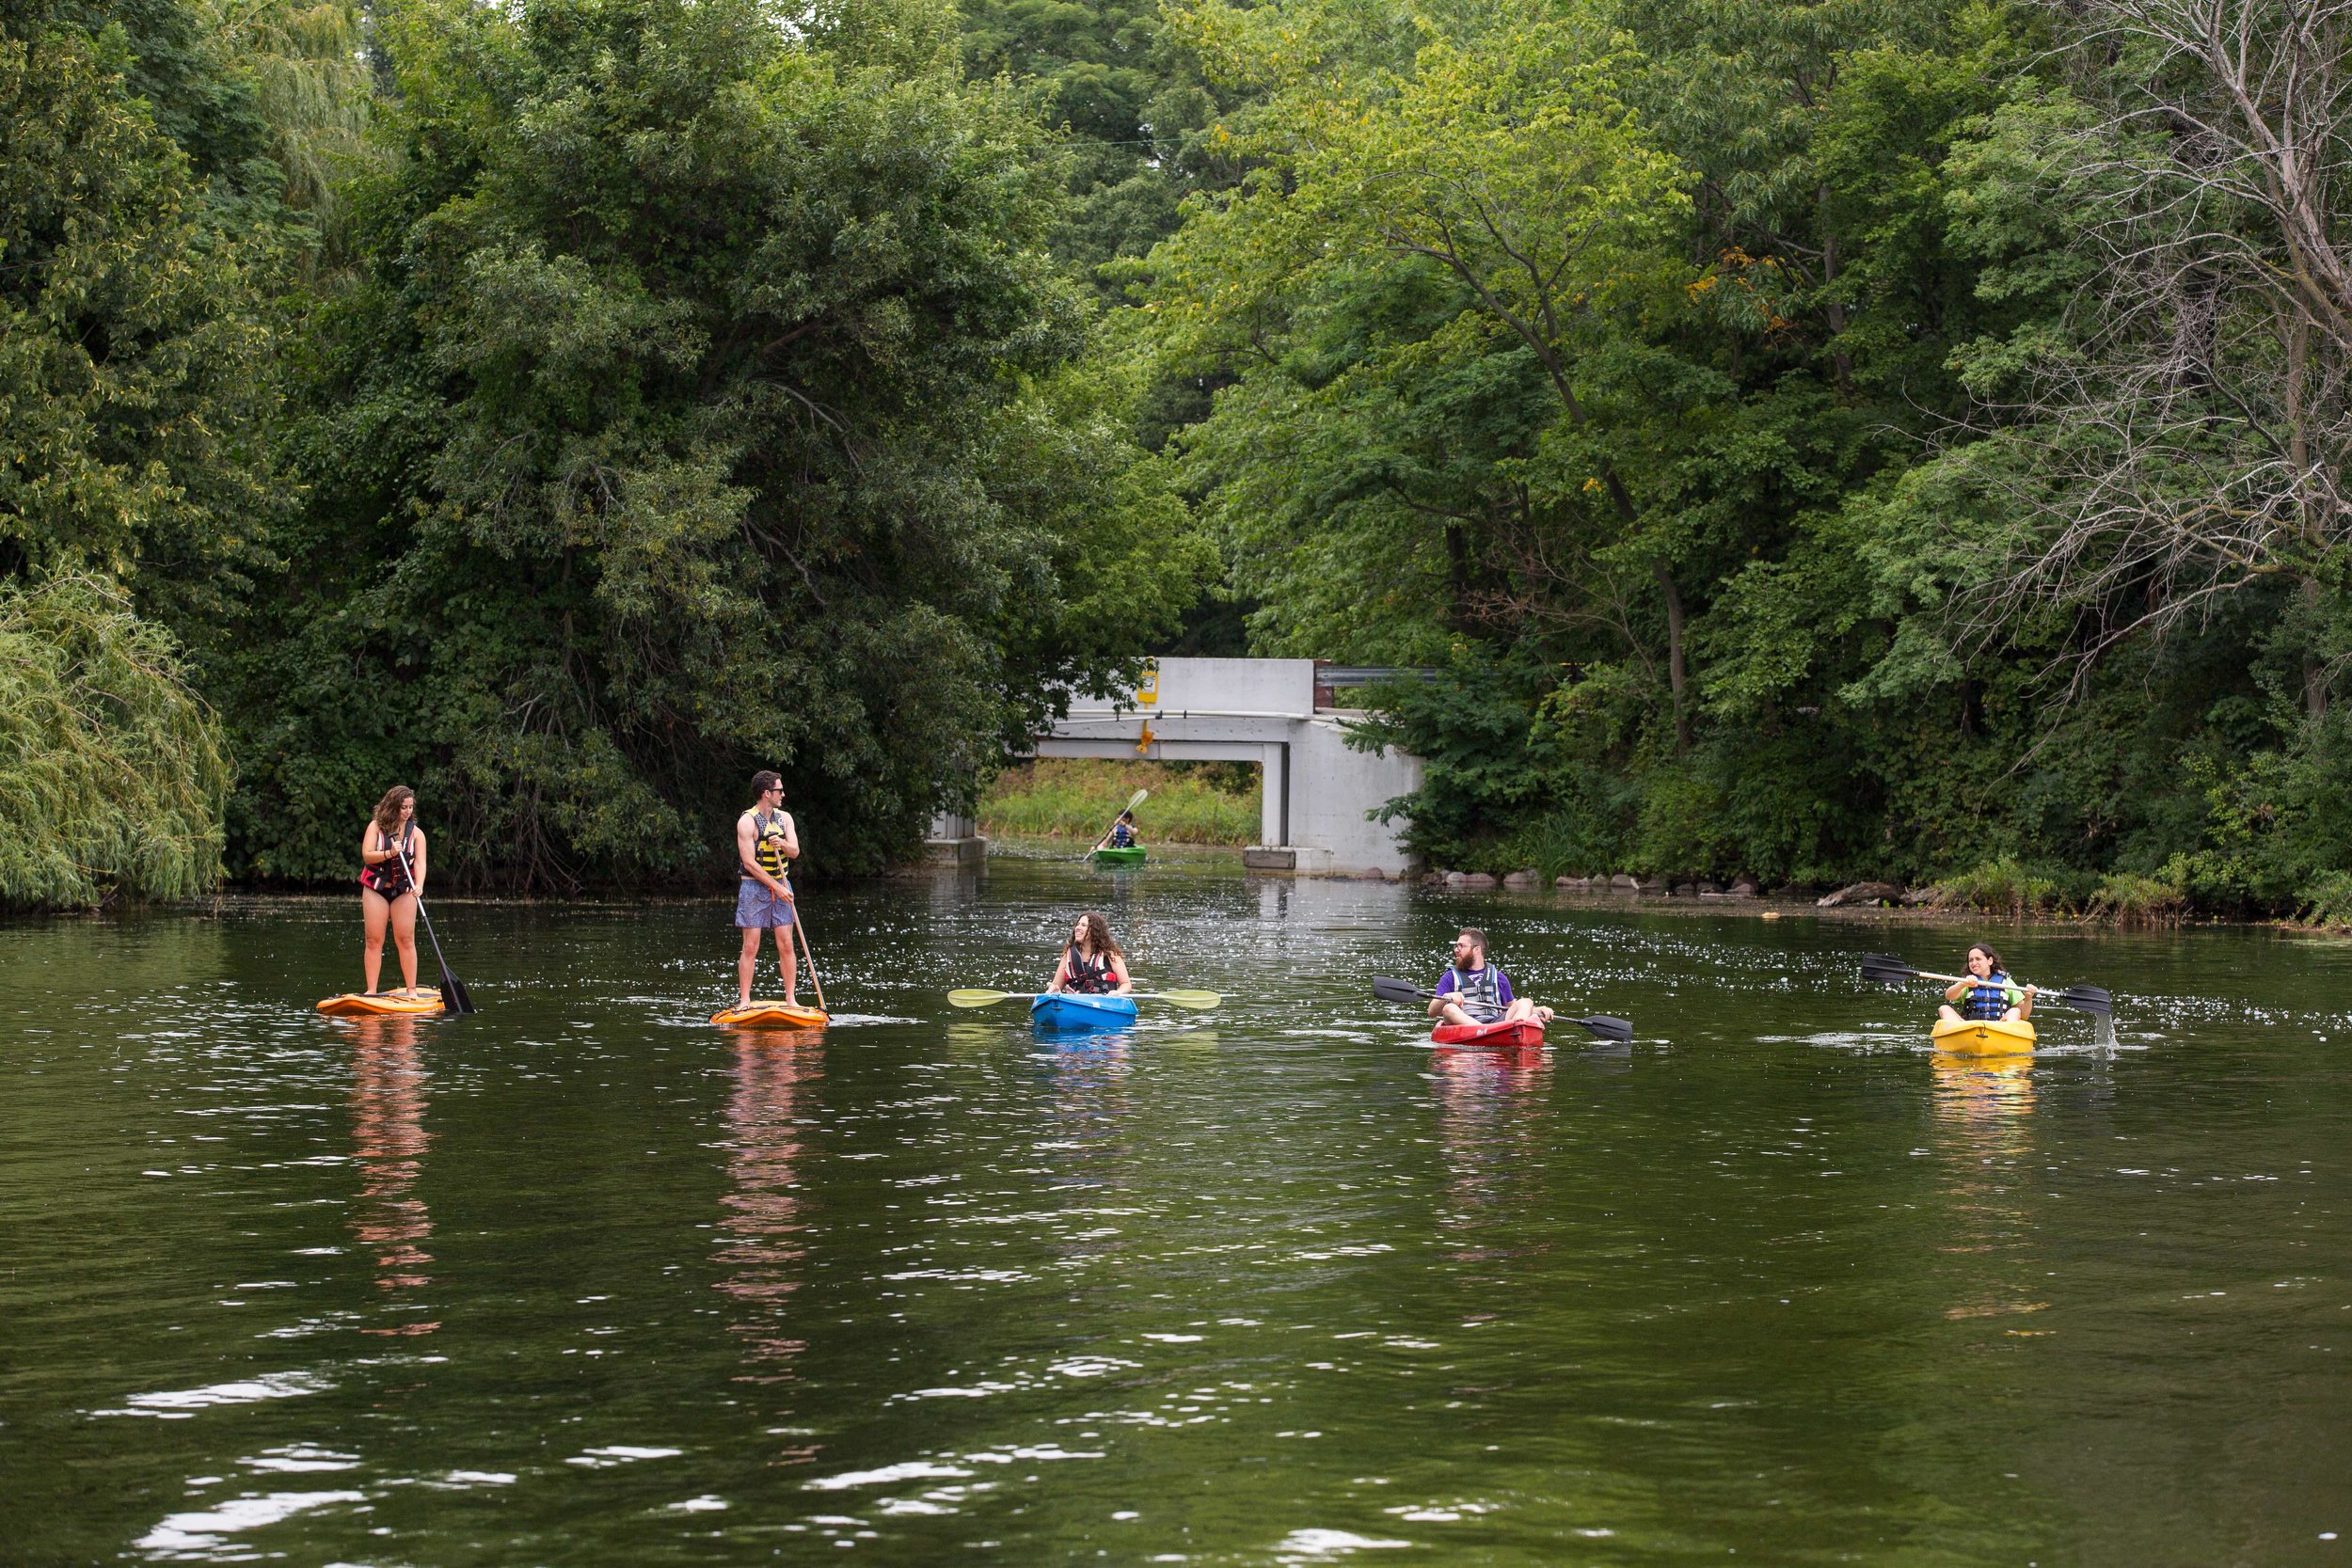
(1069, 1011)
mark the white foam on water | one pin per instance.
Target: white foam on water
(912, 1470)
(204, 1532)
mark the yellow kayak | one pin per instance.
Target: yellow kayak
(773, 1015)
(361, 1005)
(1998, 1038)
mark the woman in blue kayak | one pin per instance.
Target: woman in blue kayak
(389, 888)
(1473, 991)
(1092, 964)
(1986, 996)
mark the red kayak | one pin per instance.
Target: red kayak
(1515, 1033)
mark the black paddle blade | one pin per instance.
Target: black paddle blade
(1399, 990)
(1887, 970)
(2089, 999)
(1606, 1028)
(454, 997)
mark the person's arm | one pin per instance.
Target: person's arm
(791, 837)
(415, 865)
(1125, 987)
(1956, 989)
(1061, 972)
(369, 853)
(1445, 988)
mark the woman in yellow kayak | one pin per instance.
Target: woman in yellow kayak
(1986, 996)
(1092, 964)
(388, 889)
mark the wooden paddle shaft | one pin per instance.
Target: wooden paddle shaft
(810, 955)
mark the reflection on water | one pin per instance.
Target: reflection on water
(1276, 1283)
(773, 1098)
(1491, 1108)
(1984, 1105)
(389, 1140)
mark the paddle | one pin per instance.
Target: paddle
(1133, 802)
(1198, 1001)
(1600, 1024)
(1893, 972)
(453, 995)
(809, 954)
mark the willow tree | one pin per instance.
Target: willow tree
(112, 776)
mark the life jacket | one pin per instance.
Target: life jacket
(767, 847)
(1123, 836)
(390, 878)
(1986, 999)
(1479, 992)
(1089, 977)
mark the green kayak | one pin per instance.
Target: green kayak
(1133, 855)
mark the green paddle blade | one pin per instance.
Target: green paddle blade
(978, 998)
(1200, 1001)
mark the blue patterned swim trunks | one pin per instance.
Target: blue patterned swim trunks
(756, 909)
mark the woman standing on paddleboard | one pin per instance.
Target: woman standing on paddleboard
(389, 890)
(1092, 964)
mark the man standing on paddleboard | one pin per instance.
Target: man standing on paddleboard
(765, 844)
(1474, 991)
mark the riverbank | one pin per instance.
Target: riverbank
(1078, 798)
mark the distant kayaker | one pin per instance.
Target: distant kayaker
(1987, 997)
(1473, 991)
(1122, 833)
(765, 845)
(1092, 964)
(388, 890)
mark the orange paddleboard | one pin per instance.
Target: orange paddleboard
(359, 1005)
(773, 1015)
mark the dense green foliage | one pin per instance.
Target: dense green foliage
(1852, 437)
(112, 777)
(1748, 408)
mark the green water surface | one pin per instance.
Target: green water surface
(583, 1279)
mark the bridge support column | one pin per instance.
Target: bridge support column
(954, 840)
(1273, 796)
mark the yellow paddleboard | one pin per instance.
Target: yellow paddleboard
(1965, 1038)
(358, 1005)
(773, 1015)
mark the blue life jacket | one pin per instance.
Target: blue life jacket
(1986, 999)
(1123, 836)
(1479, 992)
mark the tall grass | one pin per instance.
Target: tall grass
(1077, 798)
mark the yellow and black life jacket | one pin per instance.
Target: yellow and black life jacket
(768, 847)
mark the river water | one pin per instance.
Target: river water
(583, 1279)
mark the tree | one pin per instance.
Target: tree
(2182, 438)
(705, 403)
(112, 776)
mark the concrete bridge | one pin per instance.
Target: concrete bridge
(1286, 715)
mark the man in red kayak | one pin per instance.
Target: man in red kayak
(1474, 992)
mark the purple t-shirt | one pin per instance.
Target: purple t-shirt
(1503, 985)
